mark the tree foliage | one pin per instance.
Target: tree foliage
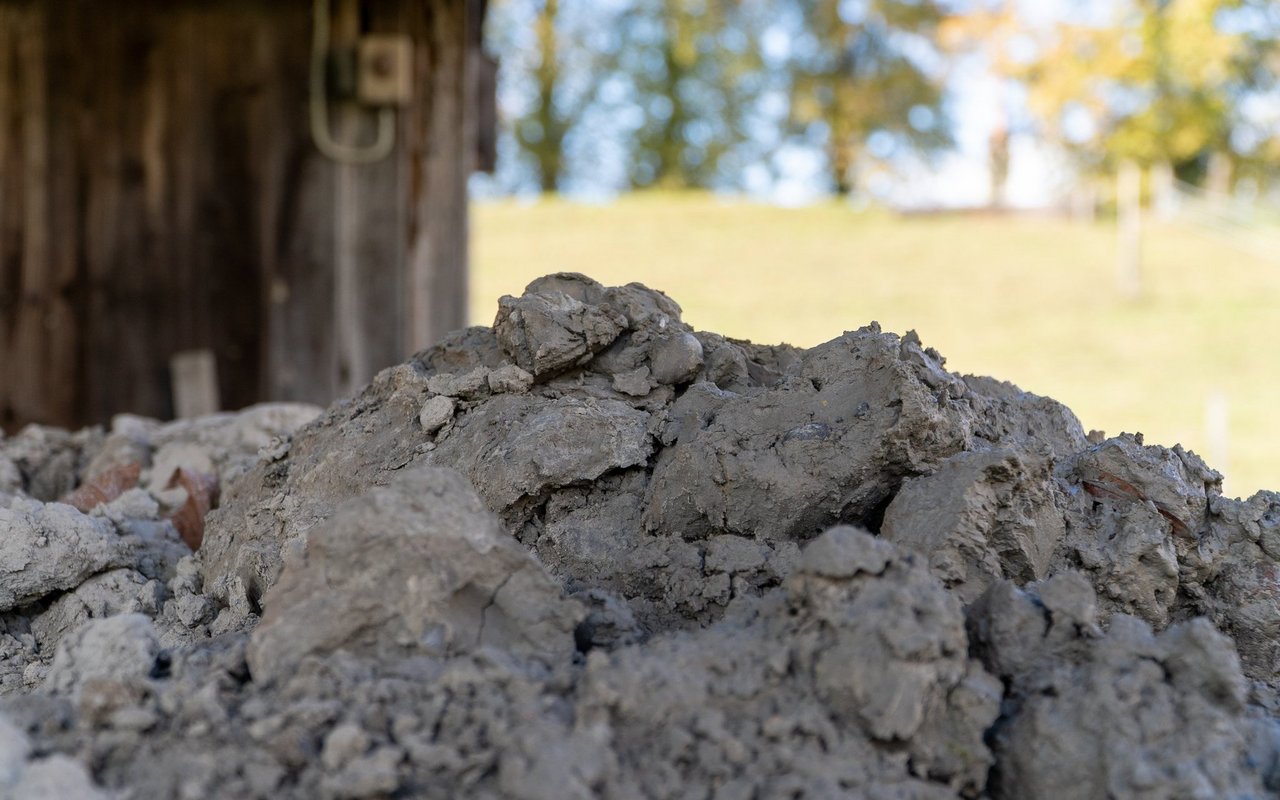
(695, 71)
(1159, 82)
(689, 93)
(993, 33)
(542, 131)
(556, 53)
(695, 80)
(861, 69)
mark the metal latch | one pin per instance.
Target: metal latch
(377, 74)
(384, 70)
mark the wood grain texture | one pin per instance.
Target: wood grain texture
(440, 138)
(159, 192)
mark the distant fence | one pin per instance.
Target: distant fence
(1248, 224)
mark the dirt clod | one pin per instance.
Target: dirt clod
(590, 552)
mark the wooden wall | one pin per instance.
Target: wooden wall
(159, 192)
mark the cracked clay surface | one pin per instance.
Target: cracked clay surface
(590, 552)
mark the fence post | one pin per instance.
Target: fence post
(194, 375)
(1217, 428)
(1129, 228)
(1164, 199)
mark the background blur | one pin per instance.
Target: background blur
(1079, 197)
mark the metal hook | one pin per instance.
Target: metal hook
(385, 141)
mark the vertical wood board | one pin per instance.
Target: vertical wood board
(159, 192)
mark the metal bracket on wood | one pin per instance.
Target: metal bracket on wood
(385, 140)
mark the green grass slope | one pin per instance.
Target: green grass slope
(1032, 301)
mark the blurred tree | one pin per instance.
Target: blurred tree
(541, 132)
(866, 79)
(669, 87)
(1161, 83)
(695, 71)
(993, 32)
(556, 55)
(1255, 135)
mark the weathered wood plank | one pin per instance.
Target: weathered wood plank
(65, 372)
(351, 363)
(441, 140)
(11, 199)
(38, 337)
(299, 343)
(159, 192)
(379, 246)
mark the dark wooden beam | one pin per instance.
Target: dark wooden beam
(160, 192)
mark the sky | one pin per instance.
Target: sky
(957, 178)
(1038, 176)
(978, 102)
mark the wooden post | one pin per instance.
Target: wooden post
(1163, 197)
(1218, 177)
(1217, 428)
(194, 374)
(39, 340)
(1129, 229)
(436, 290)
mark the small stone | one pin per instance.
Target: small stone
(510, 380)
(193, 610)
(735, 554)
(441, 383)
(845, 551)
(276, 449)
(176, 455)
(376, 774)
(34, 674)
(471, 385)
(635, 383)
(675, 359)
(399, 377)
(263, 777)
(14, 748)
(436, 412)
(346, 742)
(122, 648)
(57, 776)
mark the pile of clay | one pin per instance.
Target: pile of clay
(589, 552)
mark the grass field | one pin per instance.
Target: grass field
(1031, 301)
